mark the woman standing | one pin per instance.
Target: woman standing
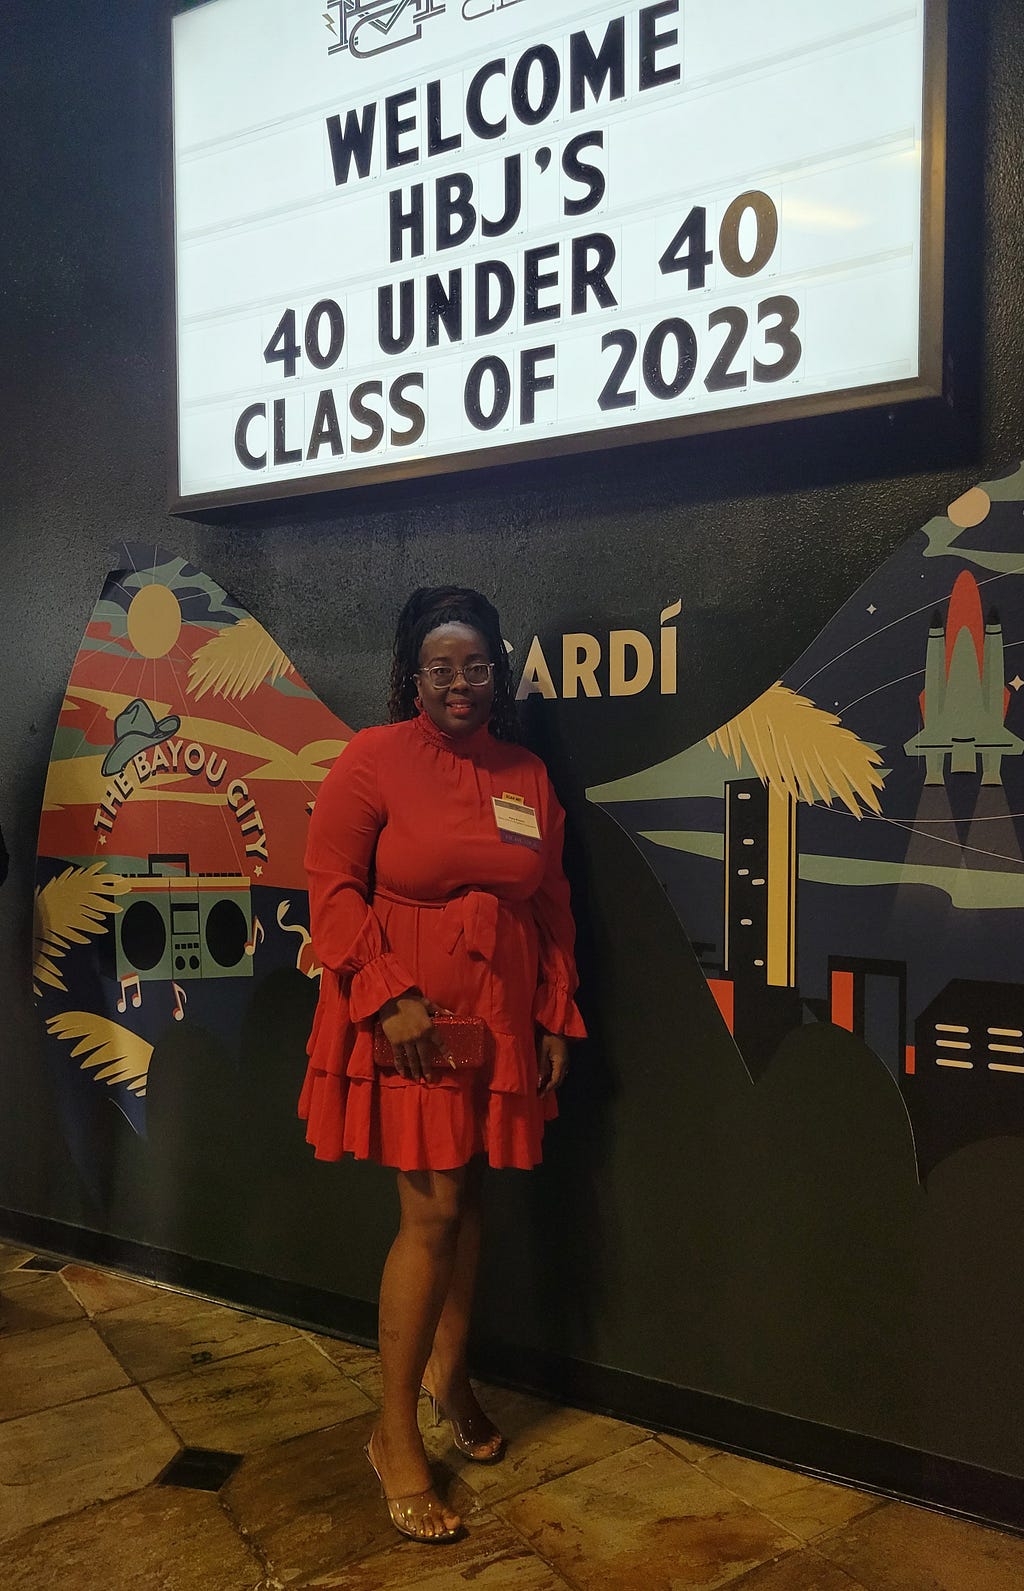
(436, 886)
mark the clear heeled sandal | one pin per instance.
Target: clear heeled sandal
(480, 1449)
(419, 1516)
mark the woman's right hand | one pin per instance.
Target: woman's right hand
(409, 1028)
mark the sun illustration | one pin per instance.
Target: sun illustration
(154, 620)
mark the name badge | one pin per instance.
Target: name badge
(517, 822)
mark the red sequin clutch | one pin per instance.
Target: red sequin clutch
(463, 1046)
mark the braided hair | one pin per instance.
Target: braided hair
(426, 610)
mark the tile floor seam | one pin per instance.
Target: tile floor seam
(9, 1542)
(798, 1475)
(781, 1524)
(90, 1397)
(182, 1444)
(250, 1542)
(167, 1375)
(573, 1469)
(574, 1585)
(784, 1557)
(227, 1358)
(881, 1503)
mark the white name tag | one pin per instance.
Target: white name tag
(517, 823)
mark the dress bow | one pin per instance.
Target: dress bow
(472, 917)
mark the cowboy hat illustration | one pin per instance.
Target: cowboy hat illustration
(136, 729)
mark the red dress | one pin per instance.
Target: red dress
(413, 884)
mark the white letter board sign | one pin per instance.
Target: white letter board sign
(423, 235)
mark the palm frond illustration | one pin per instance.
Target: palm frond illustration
(69, 910)
(120, 1055)
(803, 751)
(237, 661)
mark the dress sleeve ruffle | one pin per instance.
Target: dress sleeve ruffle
(555, 1010)
(375, 983)
(347, 934)
(554, 1007)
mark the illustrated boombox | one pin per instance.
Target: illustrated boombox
(177, 926)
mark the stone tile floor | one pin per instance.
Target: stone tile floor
(155, 1441)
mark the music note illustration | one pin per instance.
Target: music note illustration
(130, 982)
(258, 937)
(179, 1001)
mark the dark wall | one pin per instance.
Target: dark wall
(771, 1245)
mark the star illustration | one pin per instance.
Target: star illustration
(872, 608)
(258, 870)
(103, 837)
(1017, 683)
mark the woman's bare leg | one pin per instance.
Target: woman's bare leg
(447, 1371)
(416, 1280)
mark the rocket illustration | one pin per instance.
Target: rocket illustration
(964, 701)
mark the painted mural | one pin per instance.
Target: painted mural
(186, 760)
(848, 848)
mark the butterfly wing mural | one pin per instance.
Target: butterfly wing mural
(848, 848)
(187, 757)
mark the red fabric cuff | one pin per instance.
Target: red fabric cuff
(555, 1010)
(375, 984)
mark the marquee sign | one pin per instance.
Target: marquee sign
(421, 235)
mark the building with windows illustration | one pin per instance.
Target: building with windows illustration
(968, 1078)
(756, 992)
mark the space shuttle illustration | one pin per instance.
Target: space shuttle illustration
(964, 701)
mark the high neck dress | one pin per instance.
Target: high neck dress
(413, 884)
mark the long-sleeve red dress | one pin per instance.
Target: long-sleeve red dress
(413, 884)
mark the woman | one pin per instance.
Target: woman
(436, 885)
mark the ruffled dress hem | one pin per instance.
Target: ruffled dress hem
(436, 1126)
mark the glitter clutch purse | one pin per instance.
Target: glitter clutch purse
(463, 1046)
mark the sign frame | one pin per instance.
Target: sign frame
(928, 385)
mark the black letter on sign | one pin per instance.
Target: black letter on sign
(578, 170)
(657, 383)
(437, 144)
(402, 221)
(498, 371)
(513, 200)
(535, 281)
(392, 341)
(487, 319)
(282, 453)
(444, 308)
(355, 143)
(406, 409)
(587, 278)
(475, 118)
(453, 201)
(531, 383)
(367, 417)
(587, 70)
(252, 461)
(544, 56)
(651, 42)
(325, 427)
(395, 125)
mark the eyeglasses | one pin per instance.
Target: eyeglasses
(441, 675)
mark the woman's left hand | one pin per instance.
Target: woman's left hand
(552, 1062)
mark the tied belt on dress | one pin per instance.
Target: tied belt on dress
(472, 917)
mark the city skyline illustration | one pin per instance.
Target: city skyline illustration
(848, 848)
